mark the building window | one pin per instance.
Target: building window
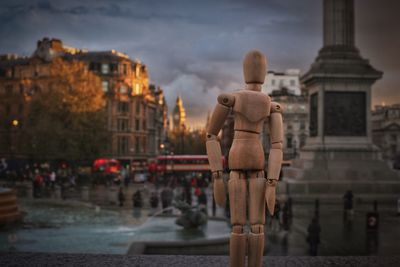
(123, 125)
(289, 141)
(137, 90)
(137, 71)
(137, 107)
(289, 127)
(105, 86)
(105, 68)
(144, 125)
(137, 125)
(302, 140)
(137, 144)
(123, 145)
(393, 137)
(273, 82)
(124, 69)
(9, 89)
(292, 82)
(123, 89)
(144, 145)
(302, 125)
(123, 107)
(21, 89)
(92, 66)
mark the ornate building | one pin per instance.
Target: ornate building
(136, 110)
(290, 79)
(386, 130)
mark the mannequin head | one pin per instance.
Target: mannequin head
(254, 67)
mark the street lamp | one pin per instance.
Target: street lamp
(15, 123)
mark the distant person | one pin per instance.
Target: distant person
(37, 184)
(121, 197)
(202, 197)
(154, 200)
(313, 237)
(166, 197)
(348, 205)
(137, 199)
(53, 178)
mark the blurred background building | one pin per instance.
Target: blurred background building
(136, 111)
(289, 79)
(386, 130)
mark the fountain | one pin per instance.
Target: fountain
(9, 212)
(191, 217)
(67, 227)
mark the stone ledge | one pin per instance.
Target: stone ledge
(100, 260)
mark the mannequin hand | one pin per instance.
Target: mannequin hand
(270, 195)
(219, 188)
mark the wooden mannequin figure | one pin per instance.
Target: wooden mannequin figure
(246, 160)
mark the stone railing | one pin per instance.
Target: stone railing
(45, 259)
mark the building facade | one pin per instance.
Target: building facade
(289, 79)
(136, 111)
(386, 130)
(295, 122)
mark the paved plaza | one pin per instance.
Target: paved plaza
(51, 224)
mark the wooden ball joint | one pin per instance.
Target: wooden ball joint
(246, 160)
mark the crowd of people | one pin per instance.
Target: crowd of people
(43, 177)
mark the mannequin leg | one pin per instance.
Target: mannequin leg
(257, 218)
(237, 201)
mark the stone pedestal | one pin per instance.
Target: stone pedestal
(339, 154)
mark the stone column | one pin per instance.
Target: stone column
(338, 22)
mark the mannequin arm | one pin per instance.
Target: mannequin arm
(275, 154)
(213, 146)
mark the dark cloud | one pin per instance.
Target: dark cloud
(195, 48)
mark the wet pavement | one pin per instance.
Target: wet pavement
(81, 228)
(338, 238)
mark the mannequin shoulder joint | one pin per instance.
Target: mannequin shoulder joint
(226, 99)
(276, 107)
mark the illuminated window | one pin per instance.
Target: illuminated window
(123, 89)
(105, 86)
(137, 89)
(137, 71)
(105, 68)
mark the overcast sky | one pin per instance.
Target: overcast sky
(195, 48)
